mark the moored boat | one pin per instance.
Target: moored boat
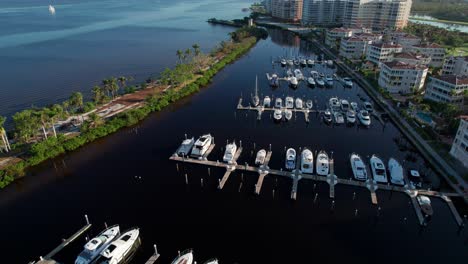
(311, 81)
(289, 102)
(354, 106)
(51, 9)
(344, 105)
(309, 104)
(293, 81)
(260, 158)
(291, 159)
(283, 62)
(122, 249)
(185, 147)
(319, 81)
(334, 104)
(266, 101)
(230, 152)
(330, 63)
(322, 166)
(329, 80)
(287, 114)
(368, 106)
(202, 145)
(307, 161)
(425, 204)
(278, 102)
(347, 82)
(299, 103)
(277, 115)
(327, 116)
(274, 81)
(95, 246)
(358, 167)
(303, 63)
(396, 172)
(364, 118)
(185, 257)
(339, 118)
(298, 74)
(350, 117)
(379, 173)
(310, 62)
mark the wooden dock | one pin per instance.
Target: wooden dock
(260, 109)
(66, 242)
(417, 208)
(229, 169)
(154, 257)
(372, 186)
(263, 171)
(454, 211)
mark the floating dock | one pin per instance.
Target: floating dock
(296, 175)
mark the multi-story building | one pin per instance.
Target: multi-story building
(459, 148)
(355, 47)
(401, 77)
(434, 51)
(267, 4)
(456, 65)
(447, 89)
(412, 58)
(404, 39)
(290, 10)
(323, 12)
(334, 36)
(382, 52)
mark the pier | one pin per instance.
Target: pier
(332, 179)
(260, 109)
(154, 257)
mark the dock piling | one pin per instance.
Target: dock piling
(86, 218)
(186, 178)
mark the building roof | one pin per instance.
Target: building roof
(409, 36)
(403, 65)
(453, 79)
(429, 46)
(341, 29)
(410, 55)
(386, 45)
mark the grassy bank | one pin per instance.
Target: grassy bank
(227, 52)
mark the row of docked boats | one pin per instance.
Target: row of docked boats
(339, 110)
(306, 162)
(304, 62)
(378, 170)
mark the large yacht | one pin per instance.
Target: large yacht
(359, 168)
(278, 115)
(307, 161)
(299, 103)
(350, 117)
(185, 147)
(291, 159)
(267, 101)
(289, 102)
(344, 105)
(287, 114)
(379, 172)
(322, 166)
(186, 257)
(202, 145)
(260, 158)
(364, 118)
(396, 172)
(95, 246)
(122, 249)
(278, 102)
(230, 152)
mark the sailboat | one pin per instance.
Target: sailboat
(51, 9)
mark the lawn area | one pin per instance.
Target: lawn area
(458, 51)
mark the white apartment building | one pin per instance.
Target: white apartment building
(447, 89)
(456, 65)
(287, 9)
(355, 47)
(404, 39)
(323, 12)
(459, 148)
(401, 77)
(434, 51)
(382, 52)
(334, 36)
(412, 58)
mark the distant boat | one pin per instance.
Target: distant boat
(278, 115)
(311, 81)
(344, 105)
(261, 155)
(186, 257)
(293, 81)
(289, 102)
(299, 103)
(288, 114)
(283, 62)
(327, 116)
(379, 173)
(278, 103)
(364, 118)
(310, 63)
(354, 106)
(274, 81)
(323, 164)
(396, 172)
(348, 82)
(122, 249)
(350, 117)
(51, 9)
(201, 146)
(298, 74)
(339, 118)
(309, 104)
(291, 159)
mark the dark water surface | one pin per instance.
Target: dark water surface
(233, 225)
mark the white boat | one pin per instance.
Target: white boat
(334, 104)
(307, 161)
(211, 261)
(347, 82)
(344, 105)
(311, 81)
(255, 98)
(354, 106)
(330, 63)
(283, 62)
(320, 81)
(293, 81)
(51, 9)
(309, 104)
(260, 158)
(339, 118)
(278, 102)
(289, 102)
(368, 106)
(298, 74)
(310, 62)
(299, 103)
(289, 73)
(291, 159)
(303, 63)
(329, 80)
(322, 75)
(296, 62)
(359, 168)
(201, 145)
(415, 180)
(314, 74)
(122, 249)
(379, 173)
(185, 147)
(364, 118)
(350, 117)
(290, 62)
(322, 166)
(95, 246)
(274, 81)
(186, 257)
(425, 204)
(396, 172)
(266, 101)
(230, 152)
(287, 114)
(277, 115)
(327, 116)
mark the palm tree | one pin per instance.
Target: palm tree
(95, 120)
(6, 143)
(180, 55)
(187, 54)
(113, 86)
(76, 100)
(98, 94)
(122, 80)
(56, 112)
(44, 118)
(196, 49)
(107, 86)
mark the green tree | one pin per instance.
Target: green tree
(187, 54)
(26, 125)
(98, 94)
(196, 49)
(180, 55)
(122, 80)
(6, 143)
(76, 100)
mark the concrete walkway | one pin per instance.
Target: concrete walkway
(441, 166)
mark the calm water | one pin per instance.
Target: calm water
(448, 26)
(44, 57)
(233, 225)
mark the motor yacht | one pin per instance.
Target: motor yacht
(266, 101)
(322, 166)
(287, 114)
(354, 106)
(359, 168)
(329, 80)
(347, 82)
(303, 63)
(293, 81)
(320, 81)
(310, 63)
(425, 204)
(364, 118)
(289, 102)
(260, 158)
(122, 249)
(344, 105)
(290, 62)
(278, 102)
(350, 117)
(283, 62)
(396, 172)
(307, 161)
(309, 104)
(201, 146)
(327, 116)
(291, 159)
(274, 80)
(185, 147)
(379, 173)
(95, 246)
(277, 115)
(298, 74)
(296, 62)
(368, 106)
(299, 103)
(311, 81)
(334, 104)
(339, 118)
(185, 257)
(230, 152)
(314, 74)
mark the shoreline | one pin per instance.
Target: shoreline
(461, 23)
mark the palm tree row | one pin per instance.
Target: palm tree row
(184, 56)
